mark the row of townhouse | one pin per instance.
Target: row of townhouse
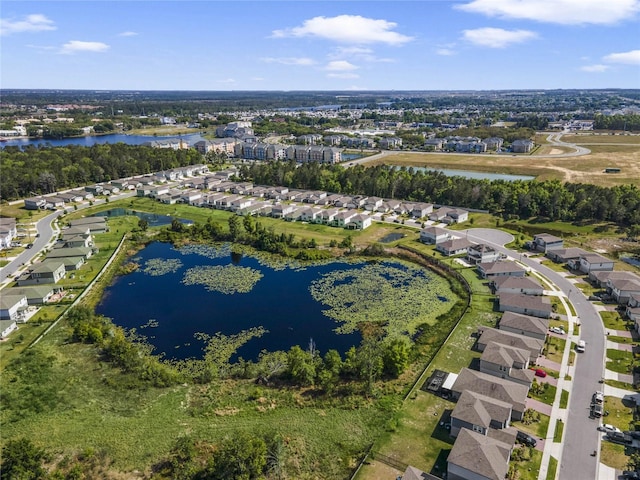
(475, 145)
(298, 153)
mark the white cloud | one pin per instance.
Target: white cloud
(347, 75)
(302, 61)
(445, 52)
(360, 53)
(76, 46)
(31, 23)
(628, 58)
(598, 68)
(353, 29)
(497, 37)
(564, 12)
(128, 34)
(227, 80)
(340, 66)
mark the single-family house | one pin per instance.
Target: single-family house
(601, 277)
(96, 224)
(413, 473)
(240, 203)
(623, 289)
(478, 412)
(344, 218)
(59, 253)
(421, 210)
(526, 285)
(49, 271)
(454, 246)
(504, 361)
(591, 262)
(328, 216)
(479, 457)
(190, 196)
(35, 203)
(36, 294)
(279, 210)
(8, 231)
(633, 310)
(494, 270)
(534, 327)
(493, 387)
(434, 235)
(312, 215)
(6, 327)
(360, 222)
(12, 307)
(563, 255)
(95, 189)
(457, 215)
(532, 345)
(543, 242)
(538, 306)
(482, 254)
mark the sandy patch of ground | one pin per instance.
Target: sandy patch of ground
(555, 151)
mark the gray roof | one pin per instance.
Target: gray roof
(413, 473)
(625, 284)
(595, 258)
(493, 387)
(547, 238)
(568, 253)
(69, 252)
(48, 266)
(87, 221)
(504, 355)
(517, 282)
(493, 268)
(481, 454)
(525, 323)
(478, 409)
(530, 302)
(532, 345)
(8, 301)
(604, 275)
(455, 244)
(31, 291)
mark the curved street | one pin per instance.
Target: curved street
(580, 436)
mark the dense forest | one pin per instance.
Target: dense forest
(38, 170)
(551, 199)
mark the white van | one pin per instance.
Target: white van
(581, 346)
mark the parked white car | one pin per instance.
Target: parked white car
(558, 330)
(609, 428)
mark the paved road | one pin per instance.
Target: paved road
(581, 437)
(45, 232)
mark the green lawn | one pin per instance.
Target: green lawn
(557, 435)
(537, 429)
(619, 361)
(528, 470)
(554, 349)
(613, 321)
(618, 384)
(564, 398)
(546, 395)
(613, 455)
(587, 288)
(558, 306)
(620, 412)
(557, 267)
(553, 466)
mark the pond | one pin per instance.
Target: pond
(178, 293)
(476, 175)
(153, 219)
(391, 237)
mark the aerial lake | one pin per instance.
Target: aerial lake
(475, 175)
(90, 140)
(153, 219)
(177, 293)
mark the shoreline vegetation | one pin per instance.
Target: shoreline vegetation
(357, 397)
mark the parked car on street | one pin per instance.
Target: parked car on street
(619, 437)
(596, 410)
(598, 397)
(607, 428)
(630, 475)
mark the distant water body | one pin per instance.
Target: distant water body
(476, 175)
(89, 141)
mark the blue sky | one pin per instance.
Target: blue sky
(320, 45)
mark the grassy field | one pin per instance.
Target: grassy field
(588, 139)
(613, 321)
(554, 347)
(620, 412)
(545, 396)
(537, 429)
(529, 469)
(581, 169)
(619, 361)
(613, 455)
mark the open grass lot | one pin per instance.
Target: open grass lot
(619, 361)
(418, 439)
(613, 321)
(620, 412)
(554, 349)
(18, 211)
(583, 169)
(614, 455)
(589, 138)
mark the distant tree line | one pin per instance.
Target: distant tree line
(38, 170)
(629, 123)
(551, 199)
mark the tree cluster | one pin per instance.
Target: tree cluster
(36, 170)
(628, 123)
